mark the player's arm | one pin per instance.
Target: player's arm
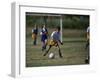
(59, 40)
(32, 31)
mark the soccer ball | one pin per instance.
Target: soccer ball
(51, 56)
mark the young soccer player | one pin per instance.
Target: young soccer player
(88, 37)
(44, 37)
(34, 34)
(55, 41)
(87, 45)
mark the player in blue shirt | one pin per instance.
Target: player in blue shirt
(44, 37)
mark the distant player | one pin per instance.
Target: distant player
(88, 37)
(87, 45)
(34, 34)
(44, 37)
(55, 41)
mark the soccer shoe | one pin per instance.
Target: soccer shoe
(87, 61)
(61, 56)
(45, 53)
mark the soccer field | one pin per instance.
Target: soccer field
(73, 50)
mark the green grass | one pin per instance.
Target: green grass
(73, 51)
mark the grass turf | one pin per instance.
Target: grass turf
(73, 51)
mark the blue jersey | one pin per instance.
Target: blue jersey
(55, 36)
(35, 31)
(44, 34)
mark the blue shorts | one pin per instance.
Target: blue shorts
(43, 38)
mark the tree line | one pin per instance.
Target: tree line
(68, 21)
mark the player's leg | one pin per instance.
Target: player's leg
(43, 44)
(87, 44)
(60, 54)
(47, 51)
(35, 40)
(87, 60)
